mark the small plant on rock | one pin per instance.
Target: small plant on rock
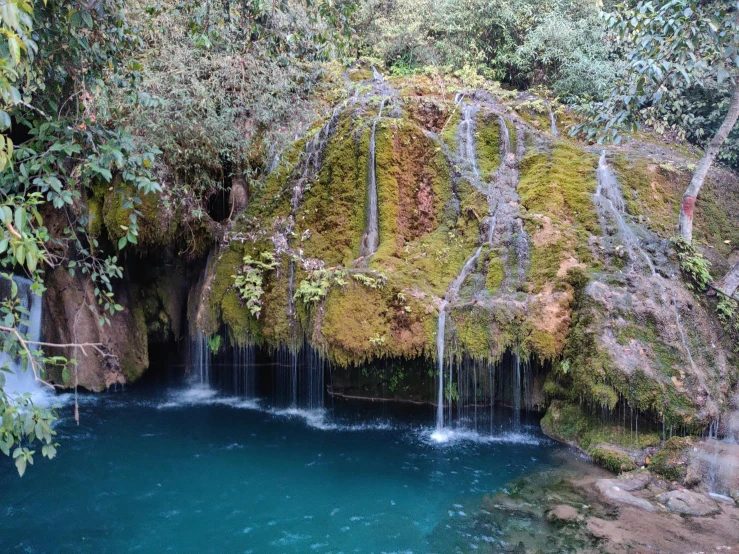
(694, 266)
(249, 280)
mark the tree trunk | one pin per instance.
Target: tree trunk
(699, 177)
(729, 283)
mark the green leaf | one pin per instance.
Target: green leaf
(20, 220)
(20, 464)
(122, 243)
(31, 261)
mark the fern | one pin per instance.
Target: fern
(250, 278)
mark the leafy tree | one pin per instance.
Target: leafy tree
(670, 47)
(59, 58)
(556, 43)
(73, 80)
(226, 85)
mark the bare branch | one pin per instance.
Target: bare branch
(32, 360)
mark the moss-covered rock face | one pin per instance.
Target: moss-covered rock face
(595, 294)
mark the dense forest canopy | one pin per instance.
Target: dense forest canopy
(178, 100)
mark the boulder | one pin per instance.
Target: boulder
(618, 492)
(688, 503)
(563, 514)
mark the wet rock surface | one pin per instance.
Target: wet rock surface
(581, 508)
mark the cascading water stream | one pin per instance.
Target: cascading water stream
(553, 120)
(19, 381)
(505, 138)
(200, 357)
(608, 192)
(371, 237)
(467, 146)
(506, 173)
(440, 328)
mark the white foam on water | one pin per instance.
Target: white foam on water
(318, 419)
(451, 436)
(201, 395)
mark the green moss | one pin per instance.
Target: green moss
(671, 460)
(387, 188)
(487, 137)
(449, 132)
(612, 460)
(559, 186)
(485, 334)
(360, 74)
(666, 358)
(654, 192)
(360, 323)
(495, 274)
(651, 192)
(154, 227)
(332, 212)
(575, 424)
(536, 112)
(512, 134)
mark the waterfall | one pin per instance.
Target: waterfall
(609, 193)
(299, 377)
(555, 132)
(517, 393)
(440, 353)
(507, 171)
(314, 149)
(371, 236)
(200, 360)
(244, 371)
(19, 381)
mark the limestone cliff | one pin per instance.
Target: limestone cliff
(568, 252)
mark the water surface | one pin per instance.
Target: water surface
(195, 473)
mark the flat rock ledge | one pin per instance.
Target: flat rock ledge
(618, 492)
(679, 501)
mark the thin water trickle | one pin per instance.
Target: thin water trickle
(467, 146)
(440, 328)
(608, 193)
(553, 120)
(200, 359)
(371, 237)
(517, 393)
